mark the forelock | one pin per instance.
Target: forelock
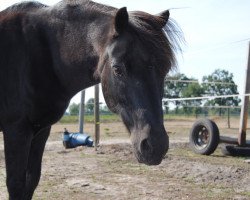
(161, 38)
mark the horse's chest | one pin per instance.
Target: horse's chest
(47, 113)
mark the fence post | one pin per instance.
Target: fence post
(244, 107)
(97, 117)
(81, 112)
(228, 117)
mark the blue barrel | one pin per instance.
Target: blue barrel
(72, 140)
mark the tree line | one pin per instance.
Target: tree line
(89, 108)
(220, 82)
(178, 85)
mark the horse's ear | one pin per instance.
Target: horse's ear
(121, 20)
(164, 15)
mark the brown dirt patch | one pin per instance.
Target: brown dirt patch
(113, 173)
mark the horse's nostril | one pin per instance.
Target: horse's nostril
(145, 146)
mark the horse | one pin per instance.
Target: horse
(49, 53)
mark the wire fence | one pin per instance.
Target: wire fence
(194, 111)
(182, 112)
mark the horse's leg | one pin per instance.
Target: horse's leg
(17, 141)
(34, 163)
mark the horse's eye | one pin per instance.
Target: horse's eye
(118, 71)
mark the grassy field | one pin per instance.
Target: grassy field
(115, 118)
(89, 118)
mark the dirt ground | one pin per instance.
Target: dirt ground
(112, 172)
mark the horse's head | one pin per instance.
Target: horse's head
(133, 67)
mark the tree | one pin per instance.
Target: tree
(173, 88)
(74, 109)
(90, 105)
(179, 85)
(192, 90)
(220, 82)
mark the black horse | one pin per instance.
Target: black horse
(48, 54)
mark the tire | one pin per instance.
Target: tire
(230, 150)
(204, 137)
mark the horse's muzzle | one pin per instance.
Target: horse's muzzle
(151, 150)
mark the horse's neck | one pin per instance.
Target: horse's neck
(79, 49)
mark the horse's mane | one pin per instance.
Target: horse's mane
(93, 6)
(85, 5)
(166, 41)
(163, 42)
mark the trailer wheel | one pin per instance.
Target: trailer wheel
(204, 137)
(230, 150)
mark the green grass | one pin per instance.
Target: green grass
(115, 118)
(246, 193)
(66, 119)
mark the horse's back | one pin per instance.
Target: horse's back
(12, 25)
(24, 7)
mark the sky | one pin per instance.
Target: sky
(217, 34)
